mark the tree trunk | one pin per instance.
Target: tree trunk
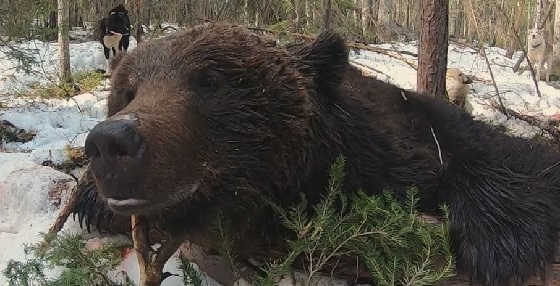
(453, 17)
(355, 13)
(538, 12)
(365, 16)
(306, 14)
(556, 43)
(432, 51)
(313, 11)
(246, 12)
(327, 14)
(512, 41)
(64, 75)
(295, 16)
(375, 11)
(138, 25)
(385, 23)
(407, 16)
(359, 4)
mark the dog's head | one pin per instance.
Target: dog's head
(118, 21)
(535, 37)
(457, 75)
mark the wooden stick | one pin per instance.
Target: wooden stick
(65, 212)
(150, 275)
(71, 204)
(151, 261)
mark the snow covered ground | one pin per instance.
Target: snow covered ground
(27, 188)
(517, 90)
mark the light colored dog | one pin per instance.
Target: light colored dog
(456, 86)
(538, 52)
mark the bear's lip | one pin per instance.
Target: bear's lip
(126, 205)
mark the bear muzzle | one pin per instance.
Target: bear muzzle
(118, 158)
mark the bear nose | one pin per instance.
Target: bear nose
(113, 139)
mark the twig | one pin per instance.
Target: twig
(365, 67)
(151, 262)
(519, 61)
(386, 52)
(65, 212)
(437, 144)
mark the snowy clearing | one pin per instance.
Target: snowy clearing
(27, 187)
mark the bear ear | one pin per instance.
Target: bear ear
(325, 59)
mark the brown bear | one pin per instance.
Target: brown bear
(211, 119)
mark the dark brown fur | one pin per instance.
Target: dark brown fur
(220, 107)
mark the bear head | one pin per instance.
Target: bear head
(210, 114)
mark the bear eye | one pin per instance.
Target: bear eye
(129, 94)
(206, 79)
(126, 94)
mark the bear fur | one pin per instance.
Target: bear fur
(227, 117)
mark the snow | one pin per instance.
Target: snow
(57, 123)
(26, 208)
(84, 56)
(28, 202)
(517, 90)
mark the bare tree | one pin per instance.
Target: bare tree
(556, 43)
(511, 40)
(454, 11)
(385, 20)
(366, 17)
(295, 15)
(327, 7)
(432, 51)
(64, 74)
(307, 13)
(538, 12)
(139, 22)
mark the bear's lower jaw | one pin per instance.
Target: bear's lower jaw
(150, 206)
(128, 206)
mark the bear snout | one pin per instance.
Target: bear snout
(114, 138)
(117, 154)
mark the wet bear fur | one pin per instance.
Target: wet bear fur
(262, 120)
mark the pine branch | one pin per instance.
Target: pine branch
(389, 237)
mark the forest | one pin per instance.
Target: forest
(495, 62)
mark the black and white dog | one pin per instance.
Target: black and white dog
(114, 33)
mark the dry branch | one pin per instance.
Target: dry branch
(549, 126)
(394, 54)
(519, 61)
(365, 67)
(150, 275)
(151, 261)
(65, 212)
